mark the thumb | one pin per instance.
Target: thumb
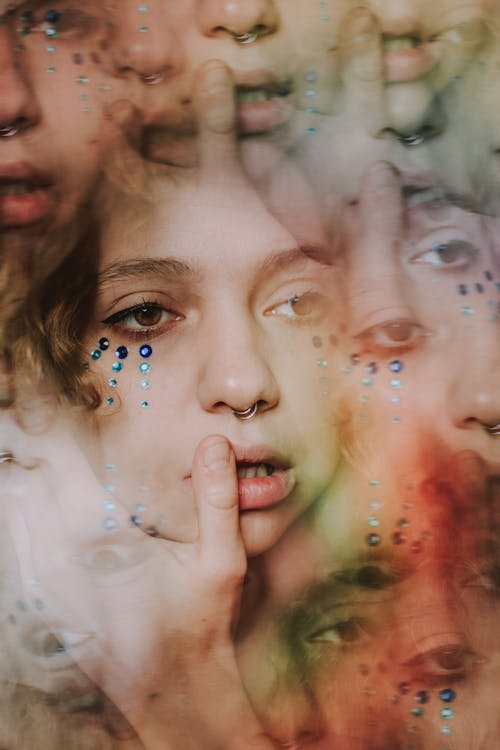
(215, 486)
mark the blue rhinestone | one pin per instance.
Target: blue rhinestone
(52, 16)
(122, 352)
(145, 384)
(447, 713)
(145, 368)
(103, 344)
(109, 523)
(117, 367)
(462, 289)
(447, 695)
(145, 351)
(488, 276)
(396, 365)
(112, 382)
(479, 288)
(50, 32)
(395, 383)
(422, 696)
(95, 354)
(372, 540)
(135, 521)
(110, 400)
(371, 367)
(144, 404)
(28, 18)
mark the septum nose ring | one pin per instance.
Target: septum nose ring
(248, 37)
(6, 456)
(246, 414)
(492, 429)
(7, 131)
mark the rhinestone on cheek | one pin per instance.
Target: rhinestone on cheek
(121, 352)
(145, 351)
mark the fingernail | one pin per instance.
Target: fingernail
(215, 78)
(217, 455)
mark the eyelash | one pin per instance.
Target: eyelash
(368, 337)
(143, 333)
(466, 250)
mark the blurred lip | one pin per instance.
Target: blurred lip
(406, 57)
(263, 102)
(26, 195)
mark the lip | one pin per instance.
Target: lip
(264, 102)
(259, 493)
(406, 65)
(25, 208)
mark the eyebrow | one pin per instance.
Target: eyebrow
(317, 253)
(172, 268)
(433, 193)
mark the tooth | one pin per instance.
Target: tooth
(400, 44)
(241, 472)
(262, 470)
(15, 188)
(251, 472)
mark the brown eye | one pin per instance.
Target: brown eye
(148, 316)
(394, 336)
(451, 255)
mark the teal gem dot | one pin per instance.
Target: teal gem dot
(95, 354)
(144, 404)
(145, 368)
(117, 367)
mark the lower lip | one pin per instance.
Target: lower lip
(408, 64)
(25, 209)
(265, 492)
(260, 117)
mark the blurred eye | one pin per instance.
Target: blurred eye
(299, 306)
(451, 662)
(453, 255)
(343, 632)
(53, 645)
(393, 336)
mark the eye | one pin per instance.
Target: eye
(450, 662)
(347, 632)
(49, 644)
(452, 255)
(56, 20)
(394, 336)
(299, 306)
(488, 580)
(147, 318)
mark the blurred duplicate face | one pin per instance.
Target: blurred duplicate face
(388, 644)
(52, 131)
(280, 54)
(195, 323)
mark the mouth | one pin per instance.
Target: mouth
(264, 478)
(25, 196)
(263, 106)
(406, 57)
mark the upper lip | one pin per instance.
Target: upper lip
(15, 172)
(180, 117)
(257, 454)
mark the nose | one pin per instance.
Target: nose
(18, 106)
(235, 373)
(474, 397)
(238, 18)
(145, 42)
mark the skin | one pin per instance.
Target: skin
(55, 119)
(225, 338)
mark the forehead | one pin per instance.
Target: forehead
(215, 232)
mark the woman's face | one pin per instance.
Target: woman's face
(215, 314)
(158, 46)
(53, 132)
